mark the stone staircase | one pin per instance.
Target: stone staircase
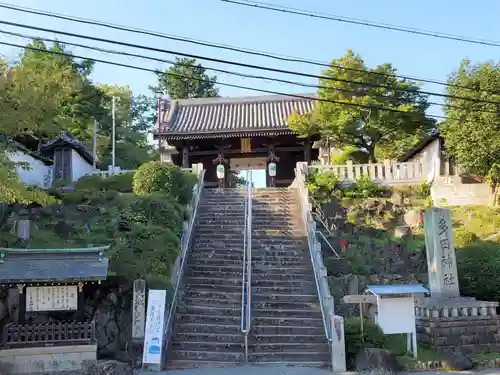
(206, 328)
(287, 324)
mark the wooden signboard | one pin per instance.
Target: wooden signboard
(360, 298)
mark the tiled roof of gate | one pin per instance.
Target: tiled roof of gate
(226, 117)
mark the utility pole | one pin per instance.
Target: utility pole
(113, 152)
(94, 144)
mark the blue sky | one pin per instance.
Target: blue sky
(216, 21)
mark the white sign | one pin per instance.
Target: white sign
(154, 327)
(52, 298)
(139, 309)
(220, 171)
(272, 169)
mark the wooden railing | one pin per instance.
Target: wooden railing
(48, 334)
(385, 173)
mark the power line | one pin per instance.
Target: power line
(355, 21)
(222, 46)
(244, 65)
(175, 75)
(244, 75)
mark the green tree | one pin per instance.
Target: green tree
(378, 132)
(472, 130)
(186, 79)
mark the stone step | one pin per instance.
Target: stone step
(286, 330)
(208, 319)
(278, 290)
(279, 270)
(233, 310)
(221, 329)
(213, 356)
(229, 288)
(215, 262)
(285, 322)
(214, 268)
(209, 337)
(210, 302)
(271, 257)
(179, 364)
(287, 346)
(285, 305)
(237, 273)
(213, 294)
(209, 346)
(213, 280)
(272, 338)
(264, 264)
(290, 298)
(285, 313)
(282, 283)
(219, 221)
(304, 358)
(237, 256)
(214, 254)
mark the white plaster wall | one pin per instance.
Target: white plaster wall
(36, 174)
(80, 166)
(431, 159)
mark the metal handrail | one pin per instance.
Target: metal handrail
(308, 220)
(185, 242)
(246, 296)
(328, 243)
(244, 276)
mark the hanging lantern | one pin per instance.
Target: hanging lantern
(271, 167)
(220, 171)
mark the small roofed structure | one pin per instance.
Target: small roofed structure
(396, 309)
(50, 285)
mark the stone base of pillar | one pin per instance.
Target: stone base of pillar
(445, 323)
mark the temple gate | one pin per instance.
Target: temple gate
(224, 133)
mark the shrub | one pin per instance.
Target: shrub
(156, 176)
(423, 190)
(478, 269)
(462, 237)
(120, 182)
(372, 337)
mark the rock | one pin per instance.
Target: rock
(376, 361)
(456, 359)
(402, 231)
(413, 218)
(397, 198)
(108, 368)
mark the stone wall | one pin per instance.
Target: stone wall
(452, 191)
(46, 360)
(458, 322)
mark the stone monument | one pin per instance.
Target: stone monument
(445, 320)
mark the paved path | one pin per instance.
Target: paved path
(289, 370)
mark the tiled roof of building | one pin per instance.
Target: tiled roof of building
(40, 265)
(231, 117)
(65, 138)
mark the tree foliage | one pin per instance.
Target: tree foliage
(378, 132)
(185, 80)
(156, 176)
(472, 130)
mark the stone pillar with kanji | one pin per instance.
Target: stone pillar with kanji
(445, 320)
(441, 259)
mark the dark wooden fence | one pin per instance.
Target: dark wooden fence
(48, 334)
